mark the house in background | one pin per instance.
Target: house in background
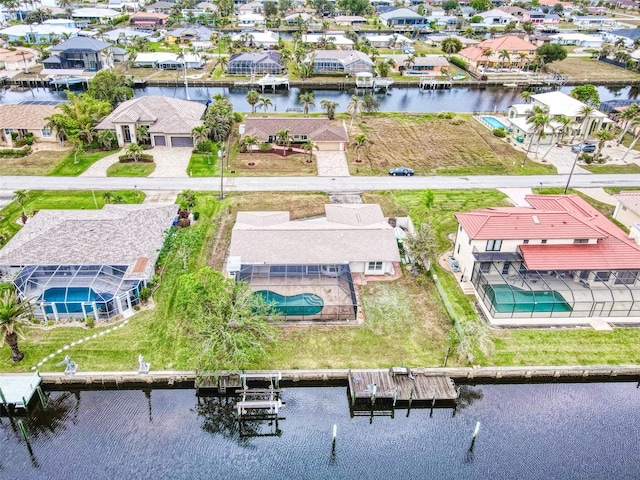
(260, 63)
(318, 259)
(56, 261)
(17, 60)
(388, 41)
(579, 39)
(256, 39)
(251, 20)
(420, 65)
(168, 121)
(148, 20)
(627, 210)
(557, 261)
(349, 20)
(340, 61)
(497, 17)
(401, 17)
(322, 40)
(436, 40)
(20, 120)
(168, 61)
(120, 55)
(161, 7)
(595, 22)
(190, 35)
(628, 35)
(85, 16)
(36, 33)
(521, 53)
(81, 53)
(321, 131)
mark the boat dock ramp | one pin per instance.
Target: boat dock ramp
(17, 391)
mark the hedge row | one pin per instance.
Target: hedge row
(144, 158)
(15, 152)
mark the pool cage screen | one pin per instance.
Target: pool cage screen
(509, 290)
(78, 291)
(305, 292)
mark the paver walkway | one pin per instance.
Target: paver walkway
(332, 164)
(171, 162)
(99, 169)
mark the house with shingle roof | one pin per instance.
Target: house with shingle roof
(79, 264)
(487, 54)
(169, 121)
(20, 59)
(20, 120)
(321, 131)
(557, 260)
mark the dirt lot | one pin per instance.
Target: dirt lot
(38, 163)
(586, 69)
(430, 145)
(272, 164)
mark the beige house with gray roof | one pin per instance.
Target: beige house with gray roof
(169, 121)
(23, 119)
(86, 263)
(325, 134)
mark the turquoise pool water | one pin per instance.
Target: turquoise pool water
(70, 300)
(510, 299)
(293, 305)
(495, 123)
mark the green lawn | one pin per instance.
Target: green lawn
(628, 168)
(69, 168)
(135, 169)
(203, 165)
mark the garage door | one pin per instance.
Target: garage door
(181, 142)
(159, 140)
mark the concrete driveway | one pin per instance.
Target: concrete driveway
(332, 164)
(99, 169)
(170, 162)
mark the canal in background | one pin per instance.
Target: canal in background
(458, 99)
(549, 431)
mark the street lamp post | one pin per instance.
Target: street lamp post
(575, 160)
(220, 159)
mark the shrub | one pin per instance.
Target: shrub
(91, 322)
(457, 120)
(144, 294)
(183, 213)
(136, 307)
(586, 158)
(499, 132)
(446, 115)
(15, 152)
(238, 117)
(144, 158)
(184, 222)
(196, 216)
(204, 147)
(458, 62)
(265, 147)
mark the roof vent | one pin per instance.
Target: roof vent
(536, 220)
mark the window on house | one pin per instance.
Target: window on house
(485, 267)
(494, 245)
(374, 266)
(602, 276)
(584, 274)
(46, 133)
(543, 242)
(458, 249)
(505, 268)
(627, 277)
(581, 240)
(525, 242)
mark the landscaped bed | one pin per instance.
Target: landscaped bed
(261, 164)
(131, 169)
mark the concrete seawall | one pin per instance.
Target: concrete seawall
(186, 379)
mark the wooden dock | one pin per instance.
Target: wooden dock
(17, 390)
(399, 384)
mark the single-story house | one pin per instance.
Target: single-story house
(497, 17)
(260, 63)
(294, 18)
(513, 10)
(124, 6)
(122, 36)
(580, 39)
(255, 39)
(191, 34)
(341, 61)
(349, 20)
(629, 35)
(321, 131)
(436, 40)
(80, 53)
(521, 53)
(557, 259)
(20, 59)
(596, 21)
(249, 8)
(420, 65)
(168, 61)
(100, 15)
(627, 209)
(120, 55)
(169, 121)
(388, 41)
(19, 120)
(558, 104)
(161, 7)
(251, 20)
(148, 20)
(314, 258)
(36, 33)
(402, 16)
(538, 17)
(318, 39)
(79, 264)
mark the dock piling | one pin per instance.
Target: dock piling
(446, 357)
(333, 442)
(23, 431)
(433, 403)
(474, 436)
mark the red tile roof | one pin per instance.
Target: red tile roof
(558, 217)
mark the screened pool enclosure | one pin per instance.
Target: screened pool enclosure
(78, 291)
(509, 290)
(304, 292)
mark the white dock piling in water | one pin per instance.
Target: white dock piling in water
(475, 435)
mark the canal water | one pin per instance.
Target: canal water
(548, 431)
(459, 99)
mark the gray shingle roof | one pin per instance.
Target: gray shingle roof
(115, 235)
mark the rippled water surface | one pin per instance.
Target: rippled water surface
(555, 431)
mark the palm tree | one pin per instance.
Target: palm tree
(409, 62)
(487, 53)
(354, 108)
(134, 150)
(285, 137)
(523, 57)
(504, 55)
(538, 118)
(359, 141)
(249, 141)
(20, 197)
(309, 147)
(526, 96)
(264, 103)
(306, 99)
(222, 62)
(108, 197)
(636, 137)
(603, 135)
(12, 312)
(106, 139)
(142, 134)
(253, 97)
(631, 113)
(585, 112)
(329, 107)
(200, 134)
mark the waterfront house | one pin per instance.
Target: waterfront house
(497, 17)
(148, 20)
(388, 41)
(401, 17)
(319, 40)
(628, 35)
(17, 60)
(81, 53)
(321, 131)
(627, 210)
(251, 20)
(487, 54)
(436, 40)
(579, 39)
(340, 61)
(316, 259)
(18, 121)
(190, 35)
(161, 7)
(97, 15)
(260, 63)
(349, 20)
(595, 22)
(169, 121)
(557, 104)
(120, 55)
(265, 39)
(169, 61)
(557, 259)
(57, 261)
(38, 33)
(421, 65)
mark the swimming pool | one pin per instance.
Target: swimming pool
(493, 122)
(293, 305)
(507, 299)
(71, 300)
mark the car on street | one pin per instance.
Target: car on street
(401, 171)
(453, 263)
(585, 147)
